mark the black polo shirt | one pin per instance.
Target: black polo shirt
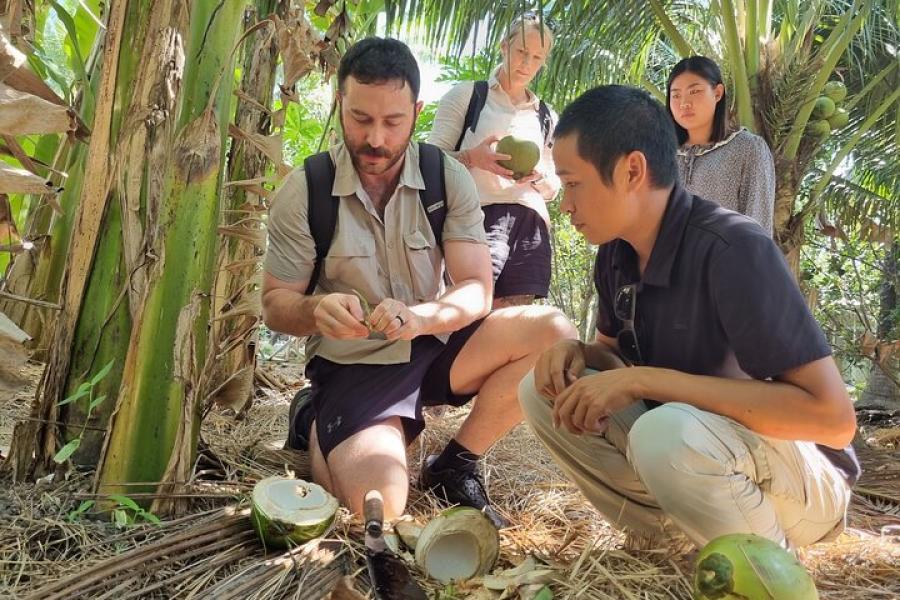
(716, 298)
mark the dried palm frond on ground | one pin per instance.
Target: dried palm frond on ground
(40, 548)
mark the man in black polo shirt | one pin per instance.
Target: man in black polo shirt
(731, 416)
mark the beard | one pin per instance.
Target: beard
(359, 151)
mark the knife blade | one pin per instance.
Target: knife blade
(390, 577)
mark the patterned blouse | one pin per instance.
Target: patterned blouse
(738, 173)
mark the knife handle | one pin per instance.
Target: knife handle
(373, 513)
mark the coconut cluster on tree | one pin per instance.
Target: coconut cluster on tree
(828, 115)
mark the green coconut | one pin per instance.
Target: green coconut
(819, 129)
(836, 90)
(458, 544)
(524, 155)
(287, 512)
(824, 108)
(839, 119)
(749, 567)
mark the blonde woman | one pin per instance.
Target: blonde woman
(470, 119)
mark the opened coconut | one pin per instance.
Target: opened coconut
(458, 544)
(523, 155)
(746, 566)
(288, 512)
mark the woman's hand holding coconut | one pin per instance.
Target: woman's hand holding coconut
(484, 157)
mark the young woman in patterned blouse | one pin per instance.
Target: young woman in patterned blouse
(731, 166)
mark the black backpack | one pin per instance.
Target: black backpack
(476, 103)
(323, 207)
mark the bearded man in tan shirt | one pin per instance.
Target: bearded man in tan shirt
(424, 343)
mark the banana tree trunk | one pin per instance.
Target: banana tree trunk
(153, 433)
(236, 304)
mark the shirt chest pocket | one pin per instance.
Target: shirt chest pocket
(351, 260)
(424, 266)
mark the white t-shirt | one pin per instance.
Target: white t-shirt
(499, 117)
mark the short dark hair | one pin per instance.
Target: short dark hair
(377, 60)
(707, 69)
(614, 120)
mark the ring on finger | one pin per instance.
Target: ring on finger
(399, 318)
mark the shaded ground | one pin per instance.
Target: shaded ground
(214, 554)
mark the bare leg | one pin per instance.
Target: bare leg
(494, 361)
(507, 301)
(373, 459)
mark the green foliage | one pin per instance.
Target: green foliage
(306, 122)
(76, 514)
(841, 278)
(86, 389)
(128, 512)
(572, 283)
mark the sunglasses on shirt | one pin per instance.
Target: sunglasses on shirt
(624, 307)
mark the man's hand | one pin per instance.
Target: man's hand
(585, 406)
(340, 316)
(559, 367)
(395, 320)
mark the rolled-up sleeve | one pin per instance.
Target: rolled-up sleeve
(450, 116)
(291, 251)
(465, 219)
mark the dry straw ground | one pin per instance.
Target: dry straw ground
(213, 553)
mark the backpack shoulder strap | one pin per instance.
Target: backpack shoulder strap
(546, 122)
(476, 103)
(434, 196)
(322, 211)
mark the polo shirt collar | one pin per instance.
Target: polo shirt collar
(668, 241)
(494, 83)
(346, 179)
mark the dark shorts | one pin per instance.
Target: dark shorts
(349, 398)
(520, 250)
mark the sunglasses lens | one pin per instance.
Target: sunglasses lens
(624, 303)
(628, 345)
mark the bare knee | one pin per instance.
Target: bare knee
(536, 328)
(372, 459)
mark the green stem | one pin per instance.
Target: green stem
(738, 67)
(751, 41)
(681, 44)
(850, 103)
(765, 19)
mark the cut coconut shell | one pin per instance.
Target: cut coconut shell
(458, 544)
(288, 512)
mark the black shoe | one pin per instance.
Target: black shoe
(462, 487)
(300, 420)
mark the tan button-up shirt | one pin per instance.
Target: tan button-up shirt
(394, 257)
